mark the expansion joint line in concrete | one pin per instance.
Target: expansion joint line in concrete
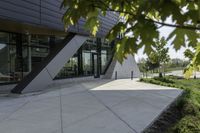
(113, 112)
(61, 113)
(16, 110)
(60, 102)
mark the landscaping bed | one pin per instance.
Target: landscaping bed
(184, 115)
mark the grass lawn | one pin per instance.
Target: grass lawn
(188, 105)
(174, 69)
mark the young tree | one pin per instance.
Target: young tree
(142, 18)
(160, 55)
(141, 65)
(145, 65)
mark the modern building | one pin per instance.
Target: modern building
(36, 51)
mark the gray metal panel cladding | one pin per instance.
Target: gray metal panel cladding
(47, 13)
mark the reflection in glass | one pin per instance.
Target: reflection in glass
(39, 49)
(106, 55)
(104, 59)
(7, 58)
(87, 63)
(4, 38)
(95, 65)
(19, 54)
(70, 69)
(40, 40)
(26, 62)
(4, 63)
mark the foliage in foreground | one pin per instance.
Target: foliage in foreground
(188, 105)
(141, 20)
(194, 65)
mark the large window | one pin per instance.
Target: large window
(19, 54)
(82, 63)
(9, 61)
(104, 59)
(87, 49)
(39, 49)
(4, 63)
(70, 69)
(87, 63)
(106, 55)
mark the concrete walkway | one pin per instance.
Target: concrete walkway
(99, 106)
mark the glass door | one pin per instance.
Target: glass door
(95, 65)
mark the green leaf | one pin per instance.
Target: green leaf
(137, 18)
(188, 72)
(178, 36)
(92, 24)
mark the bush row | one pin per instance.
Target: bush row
(188, 105)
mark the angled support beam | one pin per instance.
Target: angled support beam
(43, 75)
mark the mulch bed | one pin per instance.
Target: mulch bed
(165, 121)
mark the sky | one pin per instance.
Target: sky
(165, 31)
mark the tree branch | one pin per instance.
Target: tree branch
(149, 19)
(174, 25)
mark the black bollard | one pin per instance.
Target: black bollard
(115, 75)
(131, 75)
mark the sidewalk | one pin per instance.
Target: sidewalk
(99, 106)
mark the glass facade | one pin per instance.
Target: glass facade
(106, 55)
(39, 49)
(90, 60)
(87, 50)
(9, 58)
(70, 69)
(20, 53)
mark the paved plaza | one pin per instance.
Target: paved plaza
(96, 106)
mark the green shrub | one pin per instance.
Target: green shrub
(188, 124)
(190, 108)
(188, 104)
(164, 79)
